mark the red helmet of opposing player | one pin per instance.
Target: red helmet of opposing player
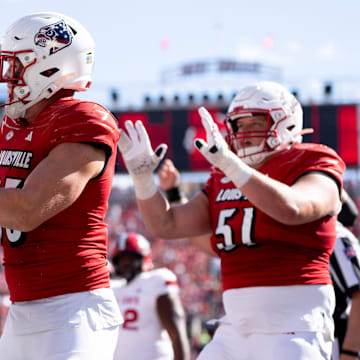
(138, 251)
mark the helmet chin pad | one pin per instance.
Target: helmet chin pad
(253, 155)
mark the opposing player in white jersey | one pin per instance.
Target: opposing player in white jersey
(154, 325)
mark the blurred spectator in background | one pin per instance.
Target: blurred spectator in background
(154, 325)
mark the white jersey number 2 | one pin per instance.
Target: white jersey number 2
(225, 231)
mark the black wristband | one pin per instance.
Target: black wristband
(174, 194)
(350, 352)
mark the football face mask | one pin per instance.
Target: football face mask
(12, 71)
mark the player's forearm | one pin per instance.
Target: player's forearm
(26, 208)
(203, 243)
(17, 210)
(273, 198)
(178, 335)
(157, 216)
(181, 349)
(172, 317)
(313, 197)
(172, 222)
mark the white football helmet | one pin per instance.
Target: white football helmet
(56, 52)
(284, 125)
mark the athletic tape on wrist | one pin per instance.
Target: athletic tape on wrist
(238, 171)
(144, 186)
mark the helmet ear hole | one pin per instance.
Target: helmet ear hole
(73, 30)
(233, 125)
(49, 72)
(291, 127)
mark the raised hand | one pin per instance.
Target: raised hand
(217, 152)
(169, 176)
(136, 149)
(215, 149)
(139, 157)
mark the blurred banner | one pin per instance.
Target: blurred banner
(334, 125)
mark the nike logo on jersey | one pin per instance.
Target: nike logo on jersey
(104, 114)
(230, 195)
(225, 180)
(9, 135)
(16, 158)
(29, 137)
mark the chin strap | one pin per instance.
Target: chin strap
(305, 131)
(300, 133)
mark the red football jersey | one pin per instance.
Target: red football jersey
(67, 253)
(256, 250)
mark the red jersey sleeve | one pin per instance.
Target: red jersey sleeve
(320, 158)
(85, 122)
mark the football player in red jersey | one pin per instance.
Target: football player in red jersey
(271, 205)
(57, 162)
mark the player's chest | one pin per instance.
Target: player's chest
(134, 296)
(21, 150)
(228, 199)
(137, 308)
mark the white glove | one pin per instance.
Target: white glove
(140, 159)
(217, 152)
